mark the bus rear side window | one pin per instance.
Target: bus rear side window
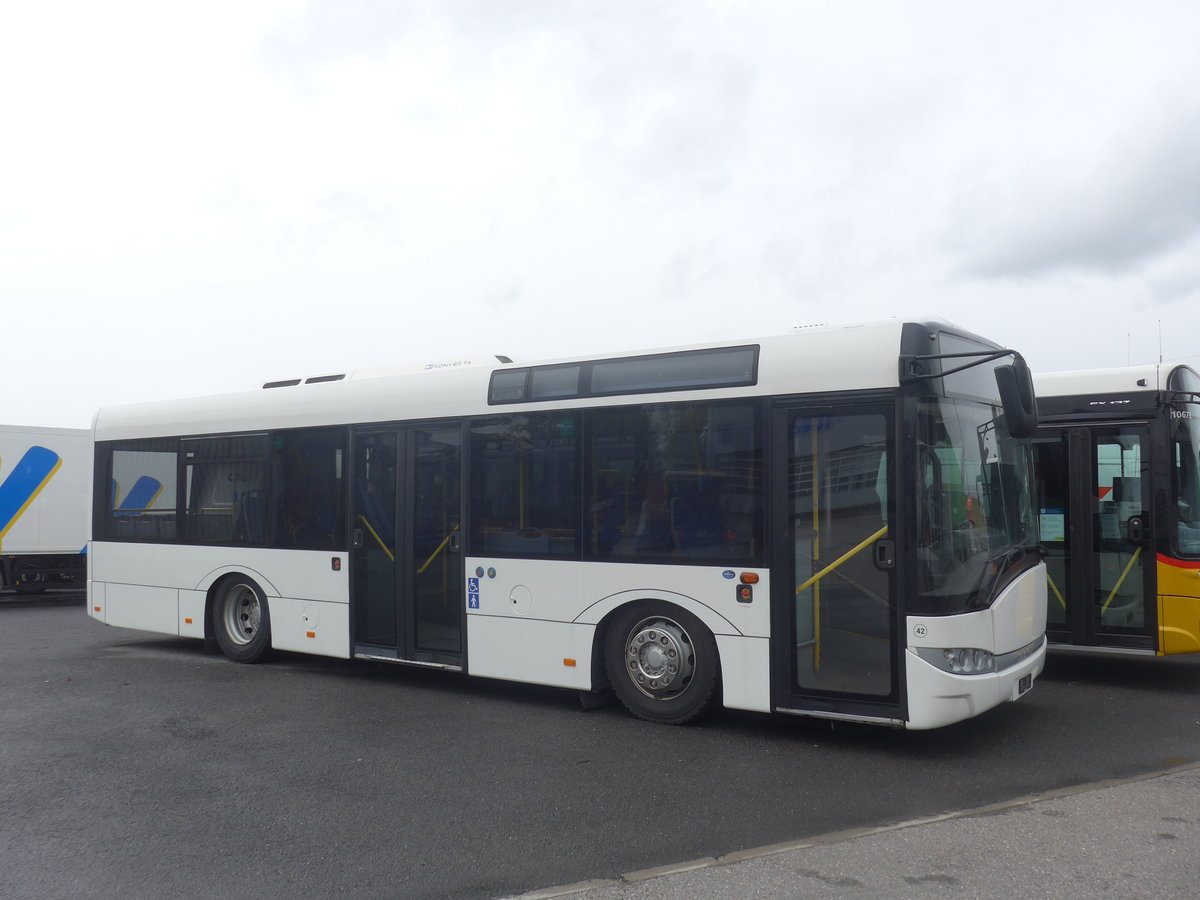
(142, 492)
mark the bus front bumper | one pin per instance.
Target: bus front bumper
(938, 698)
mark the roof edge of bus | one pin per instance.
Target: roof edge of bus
(464, 362)
(929, 320)
(1139, 376)
(495, 359)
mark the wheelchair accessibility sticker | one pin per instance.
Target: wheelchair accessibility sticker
(472, 593)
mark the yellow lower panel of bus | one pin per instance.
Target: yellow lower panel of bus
(1178, 605)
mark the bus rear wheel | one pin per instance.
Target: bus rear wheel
(662, 663)
(30, 579)
(241, 620)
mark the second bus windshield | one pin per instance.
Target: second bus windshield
(1185, 463)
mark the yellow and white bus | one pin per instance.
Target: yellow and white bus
(1119, 500)
(836, 522)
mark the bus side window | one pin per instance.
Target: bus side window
(308, 510)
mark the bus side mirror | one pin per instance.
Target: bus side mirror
(1015, 384)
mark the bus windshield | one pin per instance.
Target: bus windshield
(1185, 463)
(975, 525)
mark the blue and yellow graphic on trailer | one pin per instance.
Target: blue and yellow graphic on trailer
(24, 483)
(140, 497)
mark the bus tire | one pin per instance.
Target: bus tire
(241, 620)
(662, 663)
(30, 579)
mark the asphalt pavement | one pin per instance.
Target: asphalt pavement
(1135, 838)
(136, 765)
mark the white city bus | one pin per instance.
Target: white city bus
(836, 522)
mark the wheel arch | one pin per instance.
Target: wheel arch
(604, 608)
(212, 583)
(604, 612)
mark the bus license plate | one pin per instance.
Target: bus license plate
(1025, 683)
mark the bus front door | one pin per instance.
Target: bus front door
(1093, 490)
(836, 612)
(407, 568)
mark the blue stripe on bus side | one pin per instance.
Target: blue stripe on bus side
(24, 483)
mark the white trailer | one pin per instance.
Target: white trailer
(45, 491)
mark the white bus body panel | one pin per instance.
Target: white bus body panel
(745, 672)
(56, 510)
(308, 601)
(532, 651)
(1014, 621)
(1125, 379)
(550, 609)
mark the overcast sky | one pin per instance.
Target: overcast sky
(201, 197)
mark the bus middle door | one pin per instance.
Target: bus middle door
(407, 568)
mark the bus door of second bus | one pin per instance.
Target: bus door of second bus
(407, 568)
(1095, 517)
(834, 611)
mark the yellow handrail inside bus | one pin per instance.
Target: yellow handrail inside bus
(440, 548)
(1057, 593)
(390, 555)
(1121, 580)
(842, 559)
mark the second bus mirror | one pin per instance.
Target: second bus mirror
(1015, 384)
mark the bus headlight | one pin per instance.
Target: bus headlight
(959, 660)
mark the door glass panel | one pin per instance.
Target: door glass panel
(1119, 552)
(436, 561)
(838, 514)
(375, 539)
(1050, 457)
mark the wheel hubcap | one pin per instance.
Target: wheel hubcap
(659, 658)
(243, 614)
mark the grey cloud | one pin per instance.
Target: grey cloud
(329, 31)
(509, 295)
(678, 119)
(332, 30)
(373, 209)
(1178, 279)
(647, 97)
(1139, 202)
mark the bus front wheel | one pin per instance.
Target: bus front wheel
(662, 663)
(241, 620)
